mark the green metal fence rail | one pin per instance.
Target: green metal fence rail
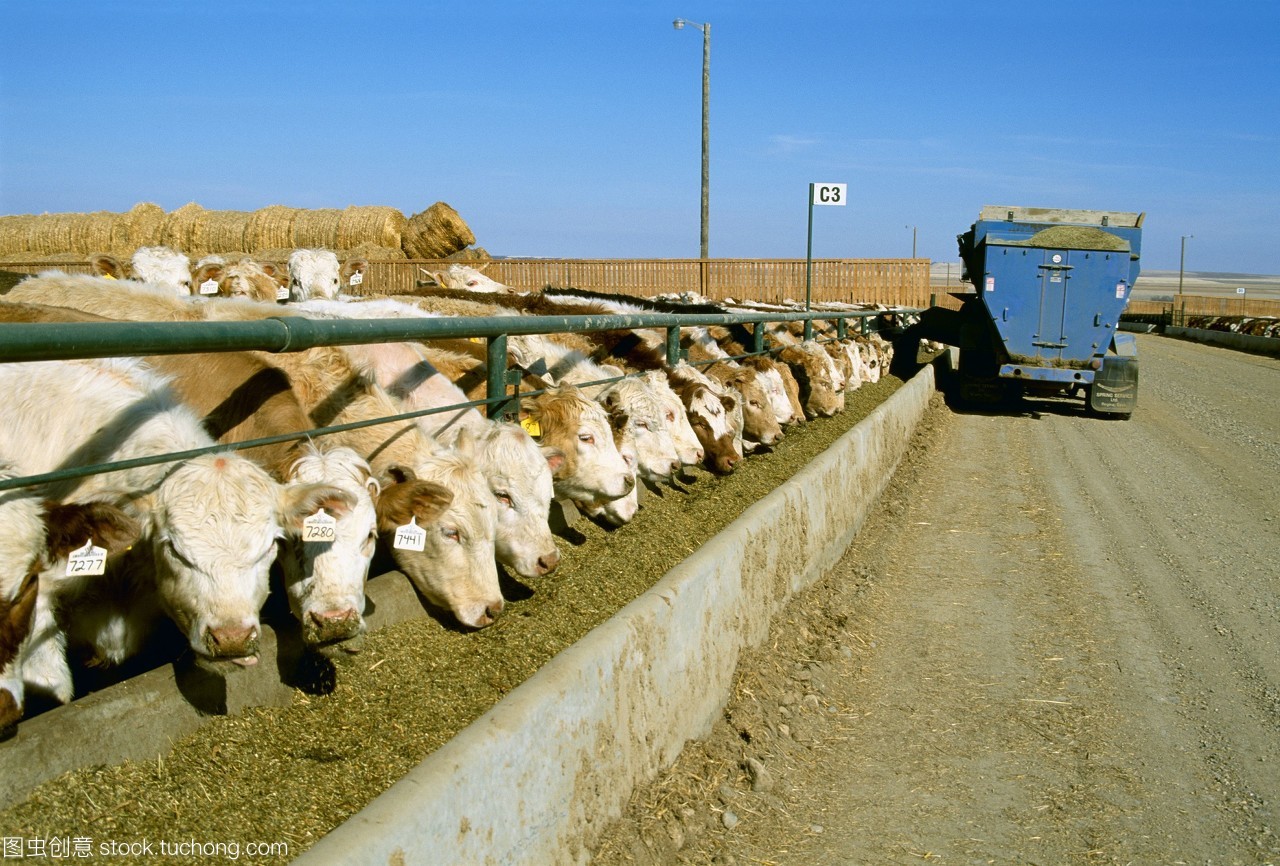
(72, 340)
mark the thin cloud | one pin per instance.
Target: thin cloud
(789, 144)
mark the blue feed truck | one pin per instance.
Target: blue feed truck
(1049, 287)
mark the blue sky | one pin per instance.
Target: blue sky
(573, 128)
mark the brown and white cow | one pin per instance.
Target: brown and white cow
(239, 397)
(36, 539)
(209, 524)
(334, 391)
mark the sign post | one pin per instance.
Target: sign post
(830, 194)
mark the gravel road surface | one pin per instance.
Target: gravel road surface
(1057, 640)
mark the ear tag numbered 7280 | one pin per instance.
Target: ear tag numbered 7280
(320, 526)
(411, 536)
(87, 560)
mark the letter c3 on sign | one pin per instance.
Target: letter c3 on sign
(830, 193)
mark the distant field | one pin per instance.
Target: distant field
(1154, 285)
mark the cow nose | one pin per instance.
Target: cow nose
(231, 641)
(727, 463)
(548, 561)
(331, 625)
(491, 611)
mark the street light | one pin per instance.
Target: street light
(913, 240)
(706, 128)
(1182, 262)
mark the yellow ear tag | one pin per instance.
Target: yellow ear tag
(108, 277)
(476, 339)
(531, 427)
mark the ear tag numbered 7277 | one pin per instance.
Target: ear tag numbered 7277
(87, 560)
(320, 526)
(411, 536)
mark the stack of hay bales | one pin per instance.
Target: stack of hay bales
(373, 232)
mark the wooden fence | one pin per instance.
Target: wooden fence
(903, 282)
(1205, 305)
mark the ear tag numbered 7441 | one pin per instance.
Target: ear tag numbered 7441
(411, 536)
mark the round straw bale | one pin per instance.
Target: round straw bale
(182, 228)
(372, 252)
(145, 222)
(97, 231)
(317, 229)
(223, 231)
(470, 254)
(15, 232)
(53, 233)
(435, 233)
(380, 226)
(271, 228)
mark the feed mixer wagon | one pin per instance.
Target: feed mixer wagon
(1049, 287)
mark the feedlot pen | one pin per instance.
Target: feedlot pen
(294, 772)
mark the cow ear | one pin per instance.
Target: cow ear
(423, 500)
(209, 271)
(300, 501)
(398, 473)
(728, 401)
(465, 444)
(70, 525)
(791, 355)
(555, 458)
(107, 266)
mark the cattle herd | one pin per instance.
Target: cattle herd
(91, 565)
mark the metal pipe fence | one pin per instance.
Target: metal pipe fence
(73, 340)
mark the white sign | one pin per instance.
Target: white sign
(1240, 290)
(830, 193)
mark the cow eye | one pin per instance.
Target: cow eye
(471, 284)
(671, 416)
(504, 499)
(451, 534)
(642, 425)
(587, 438)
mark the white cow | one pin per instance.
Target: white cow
(162, 266)
(326, 567)
(209, 525)
(458, 276)
(318, 274)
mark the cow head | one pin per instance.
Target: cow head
(519, 471)
(215, 521)
(34, 548)
(162, 266)
(647, 420)
(325, 576)
(313, 274)
(449, 500)
(592, 469)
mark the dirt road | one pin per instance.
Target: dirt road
(1057, 641)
